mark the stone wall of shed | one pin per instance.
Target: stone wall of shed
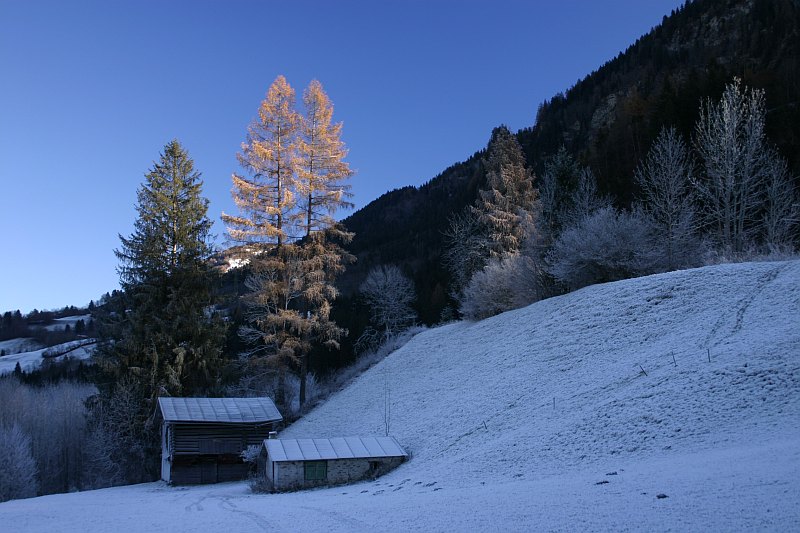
(290, 475)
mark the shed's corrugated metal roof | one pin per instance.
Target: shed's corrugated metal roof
(336, 448)
(225, 410)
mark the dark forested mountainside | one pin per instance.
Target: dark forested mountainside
(608, 121)
(610, 118)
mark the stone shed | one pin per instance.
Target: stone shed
(291, 464)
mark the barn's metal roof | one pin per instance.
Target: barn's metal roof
(336, 448)
(221, 410)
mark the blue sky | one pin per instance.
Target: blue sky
(90, 92)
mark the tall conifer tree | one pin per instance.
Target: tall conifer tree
(166, 277)
(298, 182)
(322, 176)
(162, 338)
(265, 196)
(506, 207)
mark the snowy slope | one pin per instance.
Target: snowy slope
(60, 323)
(32, 360)
(19, 345)
(544, 419)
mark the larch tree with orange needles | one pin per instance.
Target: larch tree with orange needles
(265, 193)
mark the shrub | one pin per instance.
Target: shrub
(607, 245)
(505, 283)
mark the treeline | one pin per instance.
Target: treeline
(724, 194)
(38, 325)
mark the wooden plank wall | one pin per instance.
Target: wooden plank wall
(210, 453)
(214, 439)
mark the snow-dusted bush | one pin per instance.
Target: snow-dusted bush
(607, 245)
(17, 466)
(507, 282)
(250, 454)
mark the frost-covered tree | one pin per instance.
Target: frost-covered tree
(389, 294)
(558, 184)
(584, 201)
(507, 205)
(466, 248)
(607, 245)
(665, 180)
(781, 219)
(17, 466)
(735, 160)
(507, 282)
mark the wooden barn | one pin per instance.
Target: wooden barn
(290, 464)
(202, 438)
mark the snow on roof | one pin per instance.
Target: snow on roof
(336, 448)
(224, 410)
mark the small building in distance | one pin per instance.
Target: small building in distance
(202, 438)
(291, 464)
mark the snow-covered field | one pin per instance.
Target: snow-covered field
(670, 402)
(32, 360)
(60, 323)
(19, 345)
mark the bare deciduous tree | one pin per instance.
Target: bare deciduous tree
(17, 466)
(389, 294)
(782, 211)
(584, 201)
(665, 178)
(729, 138)
(466, 248)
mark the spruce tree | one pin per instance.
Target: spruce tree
(507, 205)
(166, 338)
